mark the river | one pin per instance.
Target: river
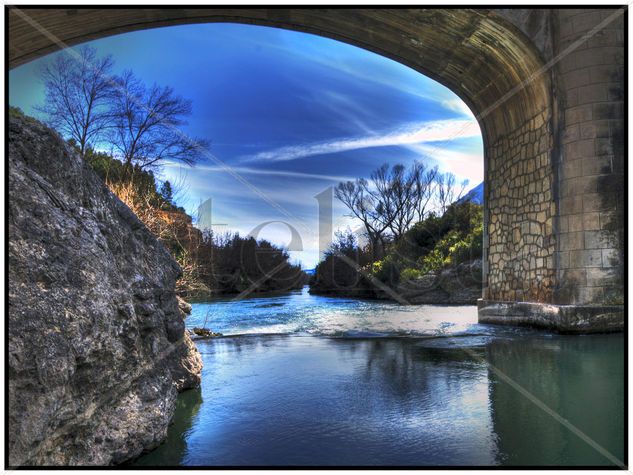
(308, 380)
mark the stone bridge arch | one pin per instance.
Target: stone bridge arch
(547, 87)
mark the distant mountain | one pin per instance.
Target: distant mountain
(476, 195)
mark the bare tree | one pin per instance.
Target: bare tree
(365, 205)
(448, 191)
(79, 89)
(410, 190)
(395, 197)
(425, 187)
(146, 125)
(387, 202)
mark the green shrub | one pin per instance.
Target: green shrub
(387, 270)
(459, 245)
(410, 274)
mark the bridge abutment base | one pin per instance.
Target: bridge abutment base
(561, 318)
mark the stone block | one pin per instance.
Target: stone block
(598, 165)
(586, 21)
(571, 241)
(571, 169)
(574, 277)
(608, 110)
(603, 146)
(572, 97)
(575, 115)
(567, 318)
(604, 38)
(600, 277)
(589, 295)
(576, 222)
(599, 56)
(595, 129)
(608, 219)
(602, 74)
(577, 78)
(563, 224)
(591, 221)
(579, 185)
(611, 258)
(615, 92)
(571, 204)
(594, 202)
(585, 258)
(600, 239)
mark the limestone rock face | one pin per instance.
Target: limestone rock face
(455, 285)
(97, 341)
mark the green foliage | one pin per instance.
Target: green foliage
(166, 192)
(463, 243)
(341, 270)
(115, 172)
(429, 246)
(387, 270)
(230, 263)
(410, 274)
(17, 112)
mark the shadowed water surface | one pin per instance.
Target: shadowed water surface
(433, 397)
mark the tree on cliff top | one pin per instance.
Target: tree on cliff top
(146, 124)
(79, 89)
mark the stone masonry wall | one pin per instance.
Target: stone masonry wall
(520, 212)
(589, 255)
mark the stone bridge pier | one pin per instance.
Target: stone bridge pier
(555, 187)
(547, 87)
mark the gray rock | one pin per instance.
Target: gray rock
(455, 285)
(184, 306)
(97, 348)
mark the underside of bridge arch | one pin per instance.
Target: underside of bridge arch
(525, 74)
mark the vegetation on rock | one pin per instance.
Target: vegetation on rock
(448, 233)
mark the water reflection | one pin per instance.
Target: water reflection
(187, 407)
(581, 378)
(326, 401)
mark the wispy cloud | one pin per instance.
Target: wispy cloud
(261, 171)
(457, 105)
(338, 56)
(417, 133)
(465, 165)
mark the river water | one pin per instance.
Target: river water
(310, 380)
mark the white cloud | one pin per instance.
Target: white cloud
(260, 171)
(464, 165)
(435, 131)
(457, 105)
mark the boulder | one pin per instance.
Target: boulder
(455, 285)
(97, 348)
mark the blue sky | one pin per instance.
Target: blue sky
(292, 114)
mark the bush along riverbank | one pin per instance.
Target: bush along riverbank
(436, 261)
(211, 263)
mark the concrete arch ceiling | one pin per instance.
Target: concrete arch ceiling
(476, 53)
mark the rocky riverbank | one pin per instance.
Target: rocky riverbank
(97, 344)
(453, 285)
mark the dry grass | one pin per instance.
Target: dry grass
(173, 228)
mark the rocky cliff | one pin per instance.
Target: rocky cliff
(97, 342)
